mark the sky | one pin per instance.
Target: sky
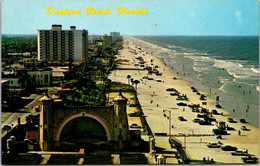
(164, 17)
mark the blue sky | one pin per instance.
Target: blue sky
(165, 17)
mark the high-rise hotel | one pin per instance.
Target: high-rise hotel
(62, 45)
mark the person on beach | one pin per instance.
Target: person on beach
(239, 132)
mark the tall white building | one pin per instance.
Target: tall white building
(62, 45)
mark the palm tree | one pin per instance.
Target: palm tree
(128, 77)
(136, 82)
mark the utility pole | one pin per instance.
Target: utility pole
(169, 117)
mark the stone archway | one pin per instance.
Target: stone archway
(83, 114)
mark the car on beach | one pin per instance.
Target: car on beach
(249, 159)
(229, 148)
(244, 128)
(170, 89)
(214, 112)
(243, 121)
(181, 104)
(196, 120)
(214, 145)
(150, 78)
(6, 127)
(219, 131)
(240, 153)
(174, 94)
(231, 120)
(181, 118)
(203, 122)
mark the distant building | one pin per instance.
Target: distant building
(115, 36)
(107, 40)
(62, 45)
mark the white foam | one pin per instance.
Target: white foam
(255, 70)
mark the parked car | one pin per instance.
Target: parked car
(231, 120)
(181, 104)
(196, 120)
(134, 125)
(215, 112)
(243, 121)
(214, 145)
(240, 153)
(181, 118)
(150, 78)
(169, 89)
(219, 131)
(174, 94)
(203, 122)
(244, 128)
(6, 127)
(250, 159)
(229, 148)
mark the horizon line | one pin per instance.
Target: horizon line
(151, 35)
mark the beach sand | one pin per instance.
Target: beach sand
(148, 90)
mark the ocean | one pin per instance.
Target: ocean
(224, 66)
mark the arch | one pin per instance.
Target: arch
(83, 114)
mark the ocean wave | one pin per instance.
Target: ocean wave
(235, 69)
(255, 70)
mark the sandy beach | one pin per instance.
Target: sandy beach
(154, 98)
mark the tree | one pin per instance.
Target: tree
(128, 77)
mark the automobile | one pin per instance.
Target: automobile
(136, 64)
(250, 159)
(150, 78)
(229, 148)
(141, 65)
(210, 119)
(243, 121)
(201, 115)
(170, 89)
(194, 105)
(218, 106)
(240, 153)
(159, 80)
(182, 98)
(215, 112)
(196, 120)
(231, 120)
(134, 125)
(181, 118)
(204, 122)
(219, 131)
(181, 104)
(174, 94)
(132, 105)
(6, 127)
(214, 145)
(244, 128)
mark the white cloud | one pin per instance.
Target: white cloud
(238, 15)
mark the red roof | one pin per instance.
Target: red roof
(31, 135)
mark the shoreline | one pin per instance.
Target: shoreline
(152, 90)
(202, 88)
